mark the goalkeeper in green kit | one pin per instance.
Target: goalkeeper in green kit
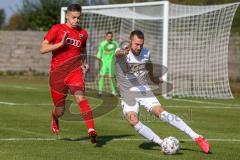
(106, 56)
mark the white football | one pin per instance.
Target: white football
(170, 145)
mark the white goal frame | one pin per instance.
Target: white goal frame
(190, 41)
(165, 21)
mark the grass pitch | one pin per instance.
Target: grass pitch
(25, 116)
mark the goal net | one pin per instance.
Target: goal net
(190, 41)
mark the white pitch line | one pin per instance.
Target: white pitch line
(24, 104)
(108, 139)
(206, 107)
(28, 139)
(8, 103)
(19, 87)
(204, 102)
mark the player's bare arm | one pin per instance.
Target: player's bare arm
(154, 78)
(47, 47)
(84, 59)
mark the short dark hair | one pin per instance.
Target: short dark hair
(138, 33)
(109, 33)
(74, 8)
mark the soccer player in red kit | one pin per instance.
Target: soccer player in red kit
(67, 42)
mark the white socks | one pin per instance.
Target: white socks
(171, 119)
(147, 133)
(178, 123)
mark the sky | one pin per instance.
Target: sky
(9, 6)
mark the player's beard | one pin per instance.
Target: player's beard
(136, 52)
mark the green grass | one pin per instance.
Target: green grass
(25, 107)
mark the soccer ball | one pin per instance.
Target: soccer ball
(170, 145)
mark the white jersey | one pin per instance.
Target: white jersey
(133, 68)
(132, 75)
(137, 68)
(144, 56)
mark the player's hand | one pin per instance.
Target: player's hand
(64, 39)
(126, 48)
(85, 68)
(122, 52)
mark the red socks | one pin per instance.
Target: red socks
(87, 114)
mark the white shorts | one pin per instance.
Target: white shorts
(147, 102)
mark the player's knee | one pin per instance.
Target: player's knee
(133, 122)
(157, 110)
(132, 119)
(79, 98)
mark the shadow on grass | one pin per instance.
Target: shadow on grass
(101, 140)
(154, 146)
(192, 150)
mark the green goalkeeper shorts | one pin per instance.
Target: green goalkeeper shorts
(107, 70)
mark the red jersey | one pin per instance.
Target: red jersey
(76, 40)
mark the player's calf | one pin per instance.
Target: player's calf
(56, 113)
(55, 124)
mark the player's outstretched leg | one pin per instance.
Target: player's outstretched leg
(88, 119)
(142, 129)
(178, 123)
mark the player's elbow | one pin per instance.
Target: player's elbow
(44, 47)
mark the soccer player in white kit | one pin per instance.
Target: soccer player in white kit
(132, 79)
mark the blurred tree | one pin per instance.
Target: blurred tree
(38, 14)
(41, 14)
(2, 18)
(17, 22)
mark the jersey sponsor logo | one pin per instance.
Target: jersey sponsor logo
(109, 48)
(81, 36)
(73, 42)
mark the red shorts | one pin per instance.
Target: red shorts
(62, 83)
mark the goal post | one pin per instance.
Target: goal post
(191, 41)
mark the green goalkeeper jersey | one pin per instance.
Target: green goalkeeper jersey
(106, 52)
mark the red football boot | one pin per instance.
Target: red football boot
(92, 135)
(203, 144)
